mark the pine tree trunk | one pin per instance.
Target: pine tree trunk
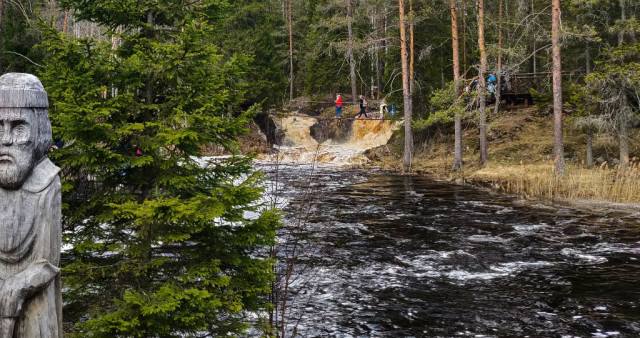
(290, 50)
(589, 150)
(482, 84)
(623, 119)
(464, 38)
(352, 62)
(408, 136)
(558, 143)
(499, 71)
(457, 149)
(412, 53)
(65, 23)
(376, 50)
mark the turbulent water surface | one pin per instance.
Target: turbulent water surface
(387, 255)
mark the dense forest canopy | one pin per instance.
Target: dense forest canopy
(321, 41)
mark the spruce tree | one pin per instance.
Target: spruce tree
(157, 244)
(252, 28)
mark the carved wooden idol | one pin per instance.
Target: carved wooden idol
(30, 214)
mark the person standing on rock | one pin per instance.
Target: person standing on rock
(338, 102)
(363, 107)
(383, 108)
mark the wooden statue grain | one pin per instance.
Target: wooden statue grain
(30, 213)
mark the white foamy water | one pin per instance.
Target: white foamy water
(320, 153)
(580, 257)
(485, 239)
(300, 147)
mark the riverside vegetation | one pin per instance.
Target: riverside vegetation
(520, 146)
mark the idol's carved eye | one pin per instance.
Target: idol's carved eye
(5, 130)
(21, 132)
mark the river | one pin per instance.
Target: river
(385, 255)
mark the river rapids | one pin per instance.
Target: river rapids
(384, 255)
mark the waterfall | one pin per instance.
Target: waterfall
(337, 141)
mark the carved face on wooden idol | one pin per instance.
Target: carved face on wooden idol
(25, 132)
(17, 146)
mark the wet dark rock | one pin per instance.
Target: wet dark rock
(572, 230)
(270, 128)
(337, 130)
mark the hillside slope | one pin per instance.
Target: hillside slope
(520, 160)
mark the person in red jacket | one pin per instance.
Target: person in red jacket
(338, 106)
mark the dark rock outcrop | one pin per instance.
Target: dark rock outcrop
(338, 130)
(270, 128)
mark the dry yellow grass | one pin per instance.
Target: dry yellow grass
(539, 181)
(520, 145)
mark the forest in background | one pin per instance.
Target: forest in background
(323, 49)
(167, 77)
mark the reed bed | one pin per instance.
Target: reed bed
(603, 183)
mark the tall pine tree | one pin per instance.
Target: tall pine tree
(159, 244)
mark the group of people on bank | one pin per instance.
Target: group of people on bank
(491, 84)
(382, 107)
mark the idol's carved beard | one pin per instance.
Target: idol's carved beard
(15, 171)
